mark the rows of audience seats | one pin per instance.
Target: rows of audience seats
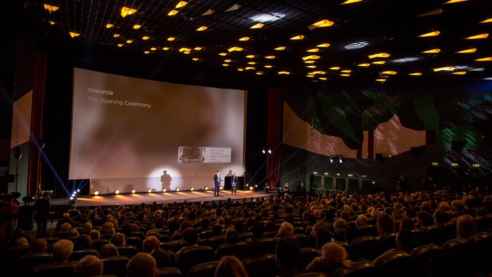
(401, 234)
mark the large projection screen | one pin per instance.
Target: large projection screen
(136, 134)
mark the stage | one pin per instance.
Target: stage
(157, 197)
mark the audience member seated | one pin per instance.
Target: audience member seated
(287, 253)
(333, 260)
(151, 245)
(39, 247)
(62, 250)
(89, 266)
(141, 265)
(230, 266)
(109, 250)
(119, 239)
(285, 231)
(465, 227)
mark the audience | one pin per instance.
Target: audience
(62, 250)
(163, 258)
(109, 250)
(141, 265)
(89, 266)
(334, 258)
(230, 266)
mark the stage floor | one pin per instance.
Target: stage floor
(148, 198)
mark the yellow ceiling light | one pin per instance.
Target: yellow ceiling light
(459, 73)
(432, 51)
(323, 45)
(323, 78)
(181, 4)
(251, 63)
(379, 62)
(467, 51)
(444, 68)
(146, 52)
(145, 38)
(389, 72)
(225, 65)
(381, 80)
(415, 74)
(345, 75)
(223, 54)
(283, 72)
(297, 37)
(202, 28)
(430, 34)
(335, 68)
(280, 48)
(51, 22)
(311, 66)
(227, 60)
(172, 12)
(240, 69)
(309, 75)
(348, 2)
(195, 59)
(244, 38)
(313, 50)
(486, 21)
(153, 48)
(250, 56)
(250, 68)
(120, 45)
(165, 48)
(311, 57)
(136, 26)
(126, 11)
(318, 72)
(184, 50)
(309, 61)
(324, 23)
(73, 34)
(268, 66)
(364, 65)
(129, 41)
(346, 71)
(478, 36)
(109, 25)
(258, 25)
(484, 59)
(382, 55)
(171, 39)
(198, 48)
(235, 49)
(455, 1)
(270, 57)
(259, 73)
(50, 8)
(116, 35)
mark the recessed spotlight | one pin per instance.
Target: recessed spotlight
(478, 36)
(223, 54)
(146, 52)
(251, 63)
(267, 17)
(486, 21)
(120, 45)
(248, 68)
(232, 8)
(181, 4)
(389, 72)
(381, 80)
(432, 51)
(145, 38)
(313, 50)
(283, 72)
(364, 65)
(415, 74)
(165, 48)
(335, 68)
(348, 2)
(484, 59)
(455, 1)
(109, 25)
(311, 57)
(258, 25)
(202, 28)
(198, 48)
(153, 48)
(129, 41)
(382, 55)
(259, 73)
(96, 193)
(240, 69)
(268, 66)
(171, 39)
(467, 51)
(406, 60)
(345, 75)
(50, 8)
(250, 56)
(280, 48)
(136, 26)
(430, 34)
(459, 73)
(323, 78)
(444, 68)
(172, 12)
(323, 45)
(116, 35)
(116, 192)
(297, 37)
(244, 38)
(324, 23)
(356, 45)
(225, 65)
(235, 49)
(51, 22)
(126, 11)
(73, 34)
(270, 57)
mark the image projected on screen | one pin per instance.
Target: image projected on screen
(136, 134)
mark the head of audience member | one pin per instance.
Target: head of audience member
(334, 255)
(108, 229)
(141, 265)
(89, 266)
(109, 250)
(361, 222)
(39, 246)
(441, 218)
(150, 244)
(231, 235)
(230, 266)
(424, 219)
(384, 224)
(287, 254)
(62, 250)
(285, 231)
(95, 235)
(86, 228)
(22, 246)
(465, 226)
(322, 233)
(119, 239)
(190, 236)
(340, 229)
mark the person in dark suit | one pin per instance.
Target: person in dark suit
(234, 185)
(216, 184)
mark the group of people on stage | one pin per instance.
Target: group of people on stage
(217, 182)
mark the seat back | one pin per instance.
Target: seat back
(170, 272)
(395, 262)
(239, 249)
(79, 254)
(368, 247)
(127, 251)
(203, 270)
(54, 270)
(193, 256)
(261, 266)
(115, 265)
(307, 255)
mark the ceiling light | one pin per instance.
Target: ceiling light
(73, 34)
(430, 34)
(364, 65)
(478, 36)
(346, 71)
(165, 48)
(51, 22)
(459, 73)
(318, 72)
(297, 37)
(109, 25)
(379, 62)
(323, 45)
(356, 45)
(250, 56)
(258, 25)
(244, 38)
(335, 68)
(153, 48)
(311, 66)
(208, 12)
(116, 35)
(50, 8)
(267, 17)
(406, 60)
(484, 59)
(250, 68)
(267, 66)
(129, 41)
(181, 4)
(280, 48)
(435, 12)
(184, 50)
(172, 12)
(145, 38)
(348, 2)
(232, 8)
(259, 73)
(198, 48)
(324, 23)
(455, 1)
(195, 59)
(252, 63)
(171, 39)
(283, 72)
(223, 54)
(235, 49)
(311, 57)
(309, 61)
(381, 80)
(120, 45)
(444, 68)
(467, 51)
(416, 74)
(477, 69)
(225, 65)
(323, 78)
(240, 69)
(486, 21)
(126, 11)
(389, 72)
(201, 28)
(270, 57)
(136, 26)
(227, 60)
(345, 75)
(381, 55)
(487, 78)
(432, 51)
(313, 50)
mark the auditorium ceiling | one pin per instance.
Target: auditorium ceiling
(382, 40)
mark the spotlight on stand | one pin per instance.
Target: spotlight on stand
(164, 190)
(251, 188)
(177, 189)
(116, 192)
(96, 193)
(150, 190)
(192, 189)
(133, 191)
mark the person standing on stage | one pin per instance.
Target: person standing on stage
(166, 181)
(216, 184)
(234, 184)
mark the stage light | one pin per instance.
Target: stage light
(133, 191)
(267, 17)
(283, 72)
(116, 192)
(356, 45)
(136, 26)
(430, 34)
(149, 191)
(415, 74)
(129, 41)
(181, 4)
(109, 25)
(432, 51)
(324, 23)
(335, 68)
(280, 48)
(379, 62)
(244, 38)
(96, 193)
(202, 28)
(486, 21)
(382, 55)
(126, 11)
(172, 13)
(270, 57)
(116, 35)
(50, 8)
(454, 1)
(251, 188)
(73, 34)
(484, 59)
(348, 2)
(258, 25)
(467, 51)
(297, 37)
(478, 36)
(171, 39)
(235, 49)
